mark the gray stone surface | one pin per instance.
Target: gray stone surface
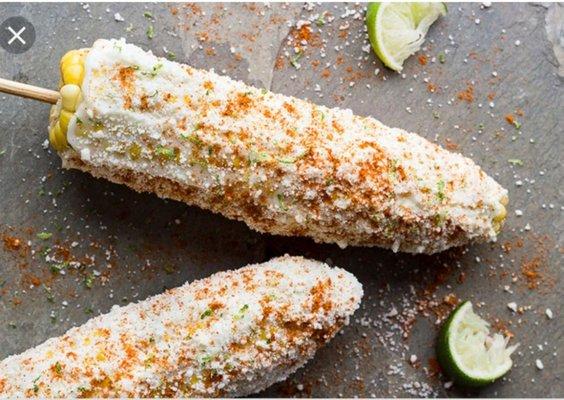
(141, 244)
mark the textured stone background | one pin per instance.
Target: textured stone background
(141, 244)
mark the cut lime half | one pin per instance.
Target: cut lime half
(468, 353)
(397, 30)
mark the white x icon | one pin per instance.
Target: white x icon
(16, 35)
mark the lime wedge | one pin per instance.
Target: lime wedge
(397, 30)
(468, 353)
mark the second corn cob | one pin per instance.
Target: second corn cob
(232, 334)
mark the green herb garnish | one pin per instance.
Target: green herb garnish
(89, 281)
(256, 157)
(441, 190)
(170, 56)
(148, 15)
(44, 235)
(150, 32)
(50, 297)
(56, 268)
(165, 152)
(442, 58)
(515, 161)
(206, 313)
(281, 202)
(294, 59)
(517, 124)
(58, 368)
(320, 21)
(241, 312)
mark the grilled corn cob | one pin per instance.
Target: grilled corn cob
(232, 334)
(282, 165)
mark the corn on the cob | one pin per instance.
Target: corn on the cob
(232, 334)
(282, 165)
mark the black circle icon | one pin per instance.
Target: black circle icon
(17, 35)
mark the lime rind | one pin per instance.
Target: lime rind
(397, 30)
(468, 353)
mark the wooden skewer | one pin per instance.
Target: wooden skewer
(29, 91)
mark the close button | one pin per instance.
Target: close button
(17, 35)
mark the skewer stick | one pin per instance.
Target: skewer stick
(29, 91)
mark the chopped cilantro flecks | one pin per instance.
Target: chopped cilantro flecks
(165, 152)
(207, 359)
(480, 127)
(35, 386)
(441, 190)
(2, 152)
(88, 311)
(148, 15)
(515, 161)
(256, 157)
(193, 138)
(393, 168)
(89, 281)
(78, 121)
(150, 32)
(57, 268)
(44, 235)
(155, 70)
(169, 269)
(320, 21)
(281, 202)
(50, 297)
(436, 115)
(517, 124)
(442, 58)
(170, 56)
(294, 59)
(206, 313)
(58, 368)
(242, 312)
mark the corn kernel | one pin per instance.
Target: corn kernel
(73, 74)
(64, 120)
(61, 137)
(134, 151)
(68, 56)
(55, 137)
(71, 97)
(52, 138)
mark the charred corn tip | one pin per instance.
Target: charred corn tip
(72, 74)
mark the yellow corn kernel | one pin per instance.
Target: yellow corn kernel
(55, 136)
(71, 97)
(61, 137)
(68, 56)
(134, 151)
(52, 138)
(74, 74)
(64, 120)
(74, 59)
